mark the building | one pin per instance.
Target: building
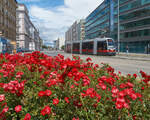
(8, 20)
(134, 24)
(134, 17)
(76, 31)
(98, 23)
(61, 42)
(23, 24)
(27, 34)
(56, 44)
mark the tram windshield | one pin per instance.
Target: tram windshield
(110, 42)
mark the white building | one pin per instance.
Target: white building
(61, 42)
(76, 31)
(27, 35)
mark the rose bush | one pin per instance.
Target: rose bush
(39, 87)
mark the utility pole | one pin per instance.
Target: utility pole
(118, 30)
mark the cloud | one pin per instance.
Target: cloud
(54, 22)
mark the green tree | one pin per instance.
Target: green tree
(44, 47)
(62, 47)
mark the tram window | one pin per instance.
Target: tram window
(84, 46)
(91, 45)
(105, 46)
(76, 46)
(102, 46)
(110, 42)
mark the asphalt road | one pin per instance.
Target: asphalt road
(126, 66)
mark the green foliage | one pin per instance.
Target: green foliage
(77, 90)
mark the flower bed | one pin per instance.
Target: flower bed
(38, 87)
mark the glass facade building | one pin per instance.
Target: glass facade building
(134, 22)
(97, 23)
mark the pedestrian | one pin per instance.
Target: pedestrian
(127, 49)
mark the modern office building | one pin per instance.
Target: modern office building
(134, 22)
(97, 24)
(134, 19)
(27, 34)
(76, 31)
(8, 20)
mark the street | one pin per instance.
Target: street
(126, 66)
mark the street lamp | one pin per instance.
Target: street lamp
(118, 29)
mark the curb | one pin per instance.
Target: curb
(132, 58)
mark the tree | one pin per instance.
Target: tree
(62, 47)
(44, 47)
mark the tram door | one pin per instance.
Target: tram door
(101, 47)
(76, 48)
(87, 47)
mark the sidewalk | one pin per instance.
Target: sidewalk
(134, 56)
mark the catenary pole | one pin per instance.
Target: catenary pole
(118, 30)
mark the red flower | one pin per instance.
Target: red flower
(18, 108)
(41, 93)
(67, 100)
(2, 97)
(1, 84)
(133, 96)
(5, 110)
(120, 100)
(103, 87)
(46, 111)
(119, 105)
(48, 92)
(114, 90)
(27, 117)
(72, 86)
(135, 75)
(55, 101)
(75, 118)
(125, 105)
(130, 84)
(88, 59)
(134, 117)
(121, 93)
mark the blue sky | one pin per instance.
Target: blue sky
(43, 3)
(54, 17)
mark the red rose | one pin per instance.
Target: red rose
(5, 110)
(55, 101)
(48, 92)
(27, 117)
(75, 118)
(41, 93)
(2, 97)
(67, 99)
(46, 111)
(18, 108)
(114, 90)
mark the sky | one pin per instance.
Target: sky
(54, 17)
